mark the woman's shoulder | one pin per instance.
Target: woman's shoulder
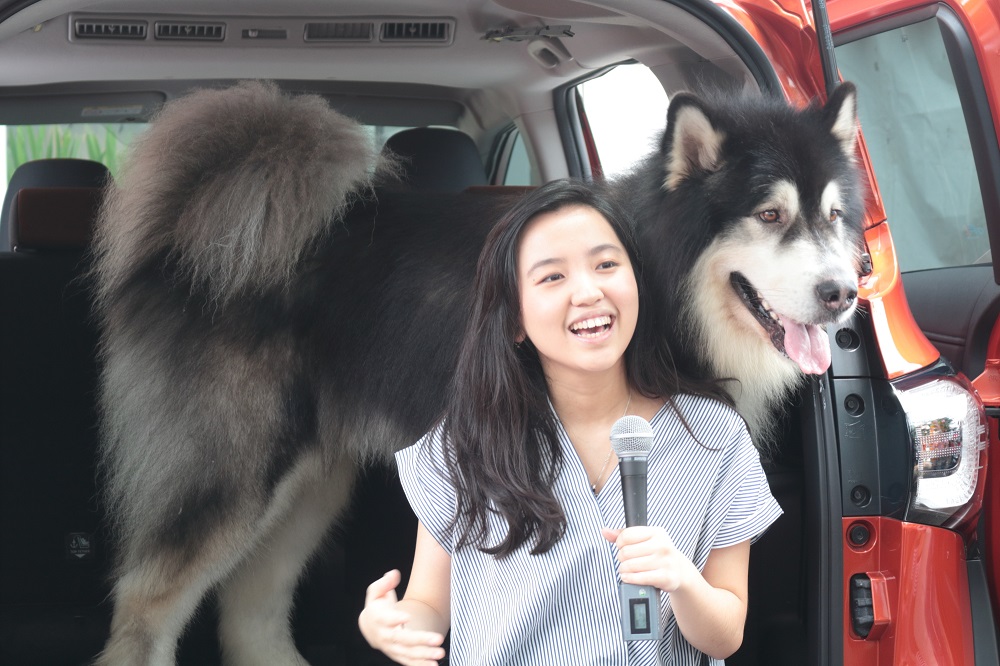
(429, 447)
(710, 409)
(702, 419)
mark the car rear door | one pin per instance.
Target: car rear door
(928, 76)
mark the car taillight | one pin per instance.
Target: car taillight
(948, 436)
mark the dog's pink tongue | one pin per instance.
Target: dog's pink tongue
(807, 345)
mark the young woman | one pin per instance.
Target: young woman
(521, 542)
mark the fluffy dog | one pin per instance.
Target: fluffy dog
(269, 320)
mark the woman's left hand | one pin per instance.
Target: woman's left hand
(647, 556)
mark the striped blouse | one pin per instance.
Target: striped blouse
(562, 606)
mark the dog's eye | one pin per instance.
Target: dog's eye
(770, 216)
(836, 215)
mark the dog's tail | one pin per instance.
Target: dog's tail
(231, 187)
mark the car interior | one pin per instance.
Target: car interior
(466, 76)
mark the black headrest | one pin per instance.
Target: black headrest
(436, 159)
(53, 218)
(57, 172)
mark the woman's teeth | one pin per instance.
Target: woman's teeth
(591, 327)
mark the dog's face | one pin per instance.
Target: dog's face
(783, 216)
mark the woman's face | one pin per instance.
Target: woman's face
(579, 298)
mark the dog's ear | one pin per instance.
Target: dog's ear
(841, 116)
(692, 142)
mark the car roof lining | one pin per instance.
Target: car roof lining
(480, 84)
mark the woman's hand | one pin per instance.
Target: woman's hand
(647, 556)
(383, 624)
(710, 605)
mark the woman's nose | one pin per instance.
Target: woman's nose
(586, 291)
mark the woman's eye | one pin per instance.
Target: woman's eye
(607, 264)
(769, 216)
(551, 278)
(836, 215)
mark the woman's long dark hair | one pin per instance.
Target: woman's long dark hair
(501, 445)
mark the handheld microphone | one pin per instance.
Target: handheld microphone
(632, 440)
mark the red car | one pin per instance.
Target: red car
(931, 72)
(889, 550)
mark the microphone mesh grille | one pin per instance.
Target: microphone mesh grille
(632, 436)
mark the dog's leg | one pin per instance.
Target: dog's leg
(154, 599)
(256, 600)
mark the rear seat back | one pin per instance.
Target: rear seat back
(53, 559)
(55, 172)
(436, 159)
(53, 218)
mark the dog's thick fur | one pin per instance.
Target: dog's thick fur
(269, 320)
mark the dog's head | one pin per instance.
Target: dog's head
(778, 193)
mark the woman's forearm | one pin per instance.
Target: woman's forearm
(710, 618)
(423, 617)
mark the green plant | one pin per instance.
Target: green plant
(102, 143)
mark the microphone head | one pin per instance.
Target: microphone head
(632, 437)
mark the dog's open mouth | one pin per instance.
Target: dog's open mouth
(806, 344)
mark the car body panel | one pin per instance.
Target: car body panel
(903, 346)
(926, 592)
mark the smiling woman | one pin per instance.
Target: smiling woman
(524, 506)
(579, 298)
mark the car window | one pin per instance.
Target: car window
(518, 169)
(105, 143)
(627, 111)
(918, 141)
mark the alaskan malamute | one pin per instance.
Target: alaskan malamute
(270, 319)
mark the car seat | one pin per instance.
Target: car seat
(53, 556)
(436, 159)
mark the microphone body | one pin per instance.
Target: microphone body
(633, 472)
(632, 440)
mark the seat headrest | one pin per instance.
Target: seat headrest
(49, 173)
(436, 159)
(53, 218)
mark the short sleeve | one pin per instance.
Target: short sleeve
(428, 489)
(742, 495)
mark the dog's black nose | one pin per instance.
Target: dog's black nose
(836, 296)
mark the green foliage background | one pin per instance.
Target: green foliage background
(102, 143)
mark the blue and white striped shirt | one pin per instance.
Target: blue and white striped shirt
(562, 607)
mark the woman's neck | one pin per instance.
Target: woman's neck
(594, 399)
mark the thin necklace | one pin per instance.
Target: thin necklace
(593, 486)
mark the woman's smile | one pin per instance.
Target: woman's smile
(592, 328)
(579, 298)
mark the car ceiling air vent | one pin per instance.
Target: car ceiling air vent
(340, 31)
(416, 31)
(109, 29)
(190, 31)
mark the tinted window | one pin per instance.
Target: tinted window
(919, 145)
(89, 141)
(105, 143)
(518, 171)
